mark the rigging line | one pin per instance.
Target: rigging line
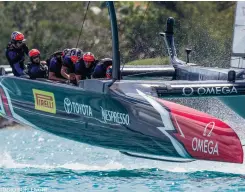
(84, 18)
(147, 6)
(49, 54)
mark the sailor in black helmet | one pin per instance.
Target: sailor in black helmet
(103, 69)
(15, 53)
(55, 64)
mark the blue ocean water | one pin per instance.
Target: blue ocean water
(32, 160)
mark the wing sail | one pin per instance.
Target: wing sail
(238, 46)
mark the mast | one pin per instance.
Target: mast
(115, 43)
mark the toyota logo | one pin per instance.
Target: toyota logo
(67, 105)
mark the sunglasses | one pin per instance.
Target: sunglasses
(19, 42)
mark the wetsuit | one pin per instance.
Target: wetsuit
(16, 57)
(81, 69)
(101, 67)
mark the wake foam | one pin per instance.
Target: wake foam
(7, 162)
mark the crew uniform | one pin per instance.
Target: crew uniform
(84, 68)
(68, 66)
(109, 72)
(103, 69)
(68, 63)
(55, 64)
(15, 53)
(36, 69)
(84, 72)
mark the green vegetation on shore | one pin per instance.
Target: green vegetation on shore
(150, 61)
(206, 27)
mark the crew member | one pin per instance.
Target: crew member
(109, 72)
(37, 68)
(85, 66)
(68, 67)
(15, 53)
(55, 63)
(66, 52)
(103, 69)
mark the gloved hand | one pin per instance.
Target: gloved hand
(43, 67)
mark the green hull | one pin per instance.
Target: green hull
(122, 117)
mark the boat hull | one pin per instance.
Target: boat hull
(140, 124)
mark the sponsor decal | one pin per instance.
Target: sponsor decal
(44, 101)
(77, 108)
(206, 145)
(115, 117)
(188, 91)
(203, 136)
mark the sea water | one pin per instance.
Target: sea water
(31, 160)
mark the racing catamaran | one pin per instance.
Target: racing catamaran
(130, 116)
